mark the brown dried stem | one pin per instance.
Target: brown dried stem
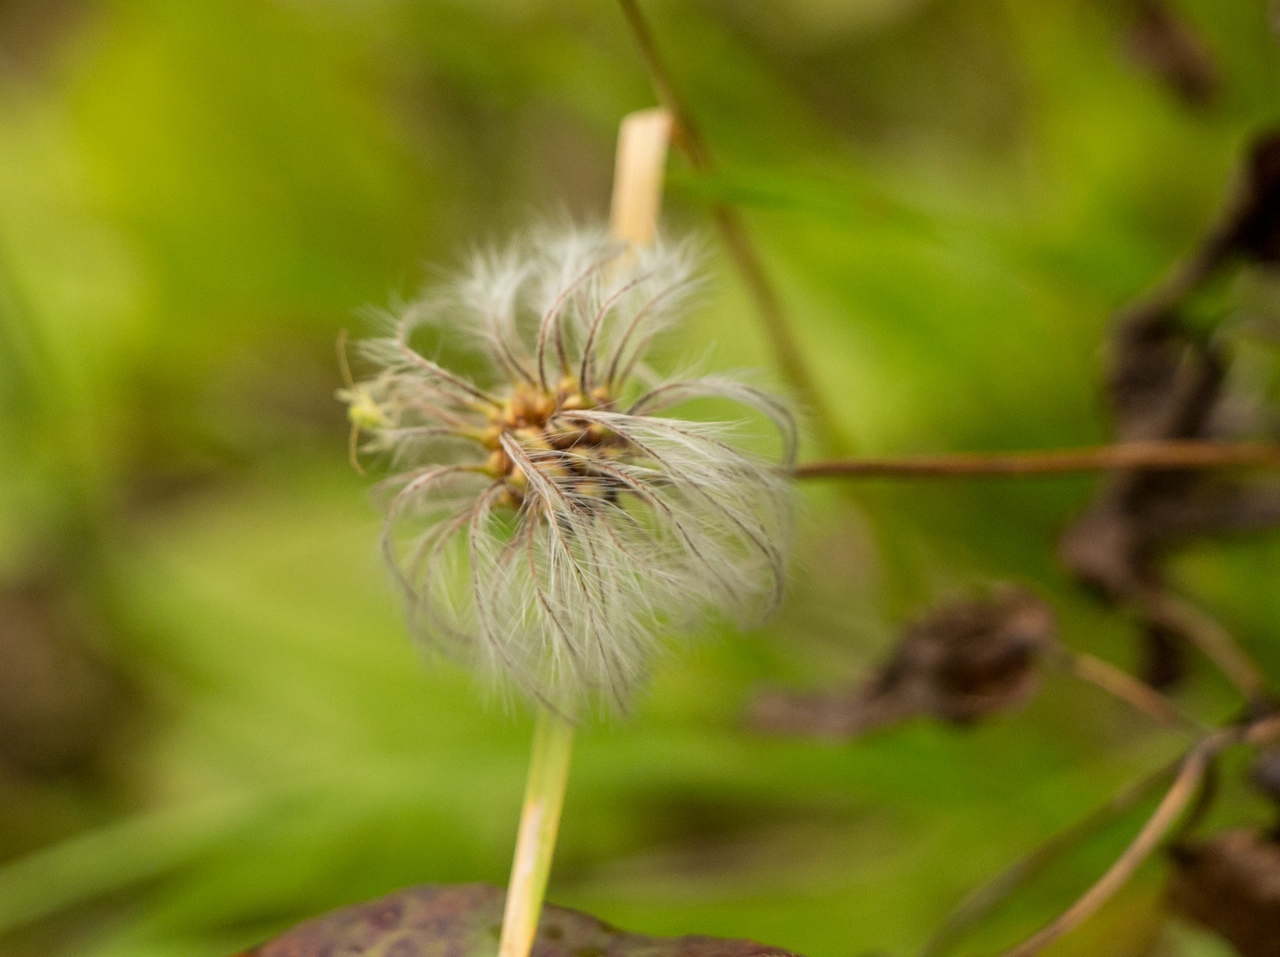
(984, 899)
(1187, 773)
(1163, 454)
(1127, 688)
(1171, 806)
(742, 250)
(1215, 642)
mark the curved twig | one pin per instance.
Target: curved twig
(984, 899)
(1184, 788)
(1214, 641)
(1119, 683)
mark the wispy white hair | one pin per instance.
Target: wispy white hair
(549, 521)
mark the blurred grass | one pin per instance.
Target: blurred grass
(196, 197)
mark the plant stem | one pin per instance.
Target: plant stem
(637, 197)
(539, 821)
(742, 250)
(1157, 454)
(983, 900)
(1166, 814)
(1126, 687)
(1215, 642)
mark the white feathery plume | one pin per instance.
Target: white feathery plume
(549, 521)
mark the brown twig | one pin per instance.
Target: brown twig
(1187, 773)
(1148, 838)
(1263, 732)
(1173, 454)
(1215, 642)
(984, 899)
(742, 250)
(1126, 687)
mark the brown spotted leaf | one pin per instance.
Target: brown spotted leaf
(463, 920)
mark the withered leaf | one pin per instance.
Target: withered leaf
(1230, 884)
(1164, 661)
(463, 920)
(1266, 773)
(1212, 506)
(1165, 383)
(960, 662)
(1168, 47)
(1251, 227)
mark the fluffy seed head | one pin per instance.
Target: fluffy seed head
(549, 524)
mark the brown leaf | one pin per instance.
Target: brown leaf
(1169, 48)
(1251, 227)
(959, 663)
(1163, 382)
(1210, 506)
(461, 920)
(1166, 383)
(1231, 885)
(1163, 660)
(1106, 550)
(1266, 773)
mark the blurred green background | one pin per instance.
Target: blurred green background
(211, 722)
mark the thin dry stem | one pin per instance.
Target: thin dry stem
(1126, 687)
(1214, 641)
(1265, 731)
(1187, 771)
(984, 899)
(742, 250)
(1172, 454)
(1172, 805)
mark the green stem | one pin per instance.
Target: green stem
(539, 821)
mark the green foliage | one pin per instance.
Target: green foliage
(954, 196)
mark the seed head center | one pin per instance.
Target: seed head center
(564, 448)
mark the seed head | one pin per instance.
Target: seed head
(549, 524)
